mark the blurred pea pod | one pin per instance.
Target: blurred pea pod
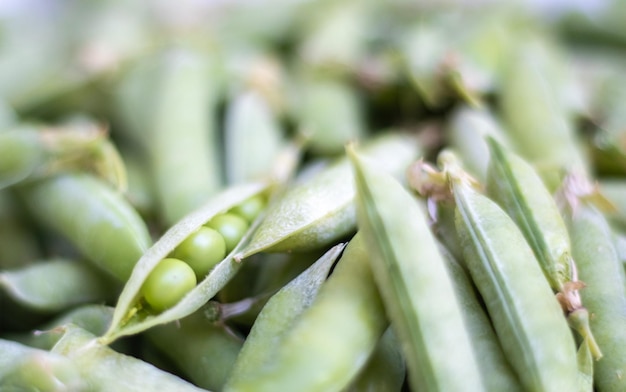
(346, 318)
(494, 366)
(277, 318)
(104, 369)
(526, 317)
(536, 113)
(28, 153)
(316, 212)
(97, 220)
(24, 368)
(329, 111)
(130, 317)
(518, 189)
(172, 91)
(18, 243)
(601, 270)
(37, 287)
(204, 352)
(385, 369)
(410, 272)
(466, 132)
(253, 138)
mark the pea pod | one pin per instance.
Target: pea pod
(203, 352)
(599, 267)
(105, 369)
(346, 319)
(519, 190)
(277, 318)
(95, 218)
(127, 320)
(37, 287)
(414, 284)
(526, 317)
(319, 211)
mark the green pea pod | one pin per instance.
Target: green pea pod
(127, 320)
(171, 91)
(542, 132)
(519, 190)
(494, 366)
(104, 369)
(415, 287)
(54, 285)
(526, 317)
(319, 211)
(203, 352)
(31, 152)
(24, 368)
(330, 111)
(278, 317)
(600, 268)
(385, 370)
(331, 341)
(253, 138)
(96, 219)
(466, 133)
(93, 318)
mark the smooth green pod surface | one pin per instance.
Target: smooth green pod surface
(106, 370)
(95, 218)
(346, 319)
(53, 285)
(600, 268)
(321, 210)
(278, 316)
(415, 286)
(527, 318)
(126, 319)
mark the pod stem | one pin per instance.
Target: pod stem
(579, 321)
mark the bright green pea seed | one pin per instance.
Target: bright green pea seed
(250, 208)
(202, 250)
(232, 227)
(168, 283)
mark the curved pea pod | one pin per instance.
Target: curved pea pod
(600, 268)
(96, 219)
(319, 211)
(385, 369)
(278, 317)
(170, 92)
(104, 369)
(24, 368)
(252, 136)
(466, 132)
(519, 190)
(54, 285)
(542, 132)
(127, 319)
(416, 289)
(494, 366)
(527, 318)
(332, 339)
(330, 111)
(205, 353)
(35, 152)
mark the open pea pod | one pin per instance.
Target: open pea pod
(127, 319)
(314, 213)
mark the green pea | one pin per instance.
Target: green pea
(232, 227)
(250, 208)
(168, 283)
(202, 250)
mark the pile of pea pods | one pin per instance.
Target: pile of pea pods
(330, 195)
